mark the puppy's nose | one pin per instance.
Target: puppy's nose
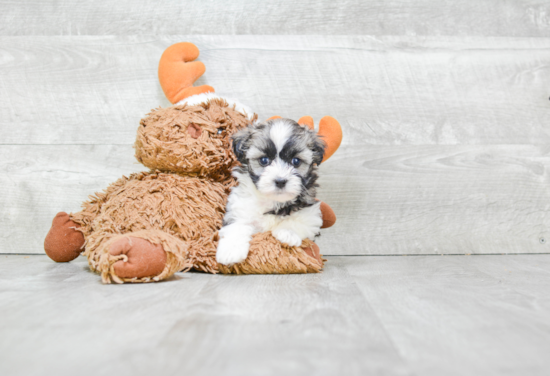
(280, 183)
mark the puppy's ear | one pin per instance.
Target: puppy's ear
(240, 143)
(318, 147)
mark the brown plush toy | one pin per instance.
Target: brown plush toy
(149, 225)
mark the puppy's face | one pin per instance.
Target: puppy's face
(280, 156)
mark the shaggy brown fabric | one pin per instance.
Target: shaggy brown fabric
(164, 142)
(267, 255)
(188, 208)
(176, 209)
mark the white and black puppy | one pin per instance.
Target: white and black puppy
(277, 187)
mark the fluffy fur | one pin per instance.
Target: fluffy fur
(277, 188)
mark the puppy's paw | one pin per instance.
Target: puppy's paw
(288, 237)
(232, 250)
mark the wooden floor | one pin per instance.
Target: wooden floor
(364, 315)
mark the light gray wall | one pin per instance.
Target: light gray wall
(444, 106)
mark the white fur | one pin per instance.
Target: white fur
(246, 208)
(279, 170)
(280, 133)
(205, 97)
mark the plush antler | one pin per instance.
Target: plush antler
(329, 129)
(178, 72)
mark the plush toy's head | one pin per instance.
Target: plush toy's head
(190, 140)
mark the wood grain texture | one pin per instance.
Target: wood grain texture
(57, 317)
(38, 181)
(525, 18)
(430, 199)
(421, 315)
(438, 199)
(385, 91)
(463, 315)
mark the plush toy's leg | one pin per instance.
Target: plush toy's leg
(142, 256)
(63, 242)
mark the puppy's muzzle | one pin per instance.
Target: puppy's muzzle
(280, 183)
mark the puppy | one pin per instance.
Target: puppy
(277, 187)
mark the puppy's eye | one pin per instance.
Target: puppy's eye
(264, 161)
(296, 162)
(220, 130)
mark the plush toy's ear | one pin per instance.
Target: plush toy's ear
(240, 141)
(178, 72)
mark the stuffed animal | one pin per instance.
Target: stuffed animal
(149, 225)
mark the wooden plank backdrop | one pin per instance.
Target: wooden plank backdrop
(445, 132)
(522, 18)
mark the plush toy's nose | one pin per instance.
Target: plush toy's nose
(194, 130)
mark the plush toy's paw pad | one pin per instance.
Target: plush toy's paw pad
(232, 250)
(144, 259)
(288, 237)
(329, 218)
(313, 251)
(63, 242)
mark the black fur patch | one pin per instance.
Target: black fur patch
(289, 150)
(269, 149)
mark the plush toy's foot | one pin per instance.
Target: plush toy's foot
(313, 251)
(63, 242)
(143, 259)
(329, 218)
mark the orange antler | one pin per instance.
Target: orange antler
(331, 132)
(329, 129)
(178, 72)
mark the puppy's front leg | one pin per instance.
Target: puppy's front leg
(287, 236)
(234, 243)
(298, 226)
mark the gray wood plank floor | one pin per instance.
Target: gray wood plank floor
(392, 315)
